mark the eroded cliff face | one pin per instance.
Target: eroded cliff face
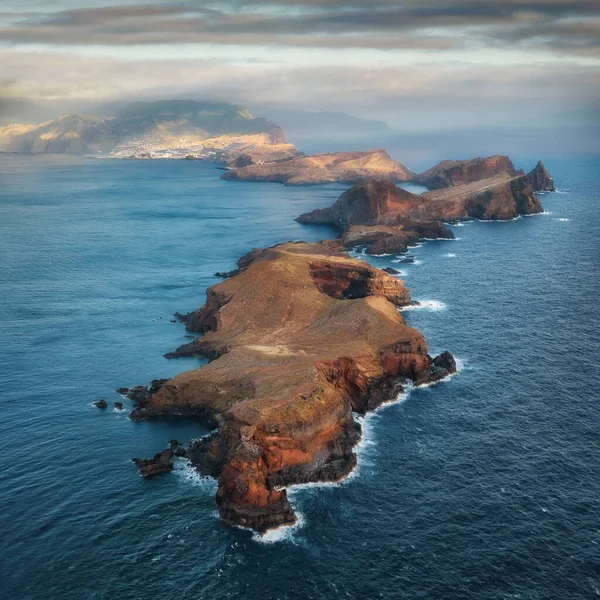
(459, 172)
(300, 339)
(386, 219)
(314, 169)
(540, 179)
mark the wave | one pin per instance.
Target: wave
(433, 305)
(450, 255)
(544, 212)
(563, 219)
(281, 534)
(183, 468)
(460, 365)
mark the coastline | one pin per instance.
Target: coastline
(252, 473)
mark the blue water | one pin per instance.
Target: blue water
(484, 486)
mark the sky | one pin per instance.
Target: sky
(419, 64)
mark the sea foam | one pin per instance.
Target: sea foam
(433, 305)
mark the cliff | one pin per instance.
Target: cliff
(300, 338)
(348, 167)
(386, 219)
(540, 179)
(459, 172)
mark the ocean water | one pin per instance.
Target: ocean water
(484, 486)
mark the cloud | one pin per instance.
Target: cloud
(565, 26)
(433, 97)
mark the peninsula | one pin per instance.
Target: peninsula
(302, 336)
(300, 339)
(386, 219)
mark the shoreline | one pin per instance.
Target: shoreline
(284, 404)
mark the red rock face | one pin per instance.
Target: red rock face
(540, 179)
(459, 172)
(300, 339)
(386, 218)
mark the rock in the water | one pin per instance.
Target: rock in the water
(445, 361)
(118, 405)
(391, 271)
(540, 179)
(101, 404)
(140, 394)
(160, 463)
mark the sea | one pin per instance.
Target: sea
(484, 486)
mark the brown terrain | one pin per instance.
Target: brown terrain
(387, 219)
(300, 336)
(345, 167)
(300, 339)
(457, 172)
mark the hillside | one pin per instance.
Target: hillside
(166, 128)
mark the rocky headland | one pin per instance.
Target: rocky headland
(300, 337)
(386, 219)
(459, 172)
(299, 340)
(344, 167)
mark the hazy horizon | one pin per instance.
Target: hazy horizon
(420, 65)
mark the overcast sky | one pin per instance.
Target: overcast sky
(419, 63)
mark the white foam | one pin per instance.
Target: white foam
(450, 255)
(544, 212)
(184, 469)
(434, 305)
(287, 533)
(503, 220)
(563, 219)
(281, 534)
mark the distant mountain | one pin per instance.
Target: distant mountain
(303, 123)
(15, 110)
(149, 126)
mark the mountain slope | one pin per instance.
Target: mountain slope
(146, 128)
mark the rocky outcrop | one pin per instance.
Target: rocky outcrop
(345, 167)
(460, 172)
(160, 463)
(376, 211)
(299, 340)
(379, 216)
(499, 198)
(540, 179)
